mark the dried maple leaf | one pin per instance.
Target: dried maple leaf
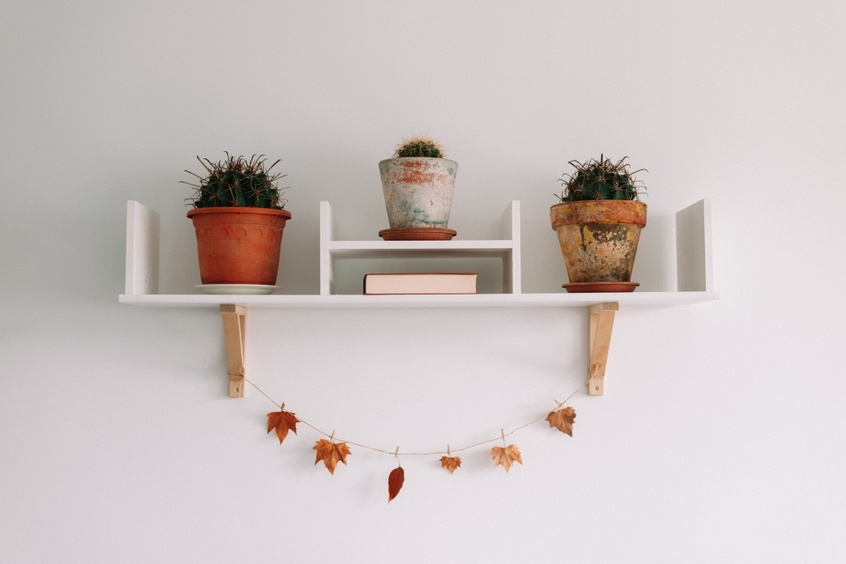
(505, 456)
(395, 480)
(331, 453)
(283, 421)
(562, 420)
(450, 463)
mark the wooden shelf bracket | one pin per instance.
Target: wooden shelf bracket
(234, 326)
(601, 325)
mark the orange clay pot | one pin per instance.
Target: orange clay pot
(598, 238)
(239, 245)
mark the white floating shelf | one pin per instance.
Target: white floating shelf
(630, 299)
(694, 275)
(693, 250)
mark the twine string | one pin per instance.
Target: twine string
(396, 453)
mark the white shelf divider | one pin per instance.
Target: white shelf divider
(694, 269)
(507, 248)
(142, 250)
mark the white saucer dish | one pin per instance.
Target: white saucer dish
(236, 289)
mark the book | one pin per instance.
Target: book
(388, 283)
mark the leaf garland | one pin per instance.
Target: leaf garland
(331, 452)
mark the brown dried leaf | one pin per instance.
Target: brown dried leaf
(562, 420)
(450, 463)
(395, 480)
(283, 421)
(505, 456)
(331, 453)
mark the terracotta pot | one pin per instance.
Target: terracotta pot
(599, 238)
(418, 191)
(237, 245)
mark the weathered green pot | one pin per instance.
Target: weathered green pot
(418, 191)
(598, 238)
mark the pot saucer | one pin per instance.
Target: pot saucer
(417, 234)
(236, 289)
(585, 287)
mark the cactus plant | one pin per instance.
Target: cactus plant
(420, 146)
(598, 223)
(237, 182)
(600, 180)
(418, 183)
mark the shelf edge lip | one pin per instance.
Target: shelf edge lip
(526, 300)
(420, 245)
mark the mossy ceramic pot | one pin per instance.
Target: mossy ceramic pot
(418, 196)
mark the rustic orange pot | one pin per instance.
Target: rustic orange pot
(237, 245)
(599, 238)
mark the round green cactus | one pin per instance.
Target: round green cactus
(237, 182)
(600, 180)
(419, 146)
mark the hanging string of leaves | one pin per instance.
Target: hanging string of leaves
(331, 451)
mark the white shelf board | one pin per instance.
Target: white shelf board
(694, 270)
(405, 249)
(271, 301)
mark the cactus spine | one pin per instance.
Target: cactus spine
(600, 180)
(238, 182)
(420, 146)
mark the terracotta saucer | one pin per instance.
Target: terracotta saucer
(584, 287)
(417, 234)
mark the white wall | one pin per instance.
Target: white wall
(720, 436)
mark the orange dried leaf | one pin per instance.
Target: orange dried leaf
(450, 463)
(331, 453)
(562, 420)
(505, 456)
(283, 421)
(395, 480)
